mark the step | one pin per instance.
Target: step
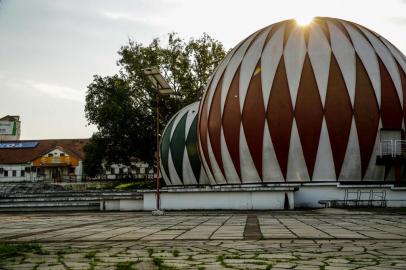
(51, 199)
(47, 203)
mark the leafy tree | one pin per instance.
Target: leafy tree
(123, 106)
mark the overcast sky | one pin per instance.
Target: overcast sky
(50, 49)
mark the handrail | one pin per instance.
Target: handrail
(392, 148)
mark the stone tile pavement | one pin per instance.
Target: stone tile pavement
(318, 239)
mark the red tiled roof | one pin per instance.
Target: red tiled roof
(25, 155)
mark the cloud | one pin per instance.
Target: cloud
(398, 20)
(118, 16)
(57, 91)
(50, 90)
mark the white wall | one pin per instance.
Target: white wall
(29, 176)
(308, 196)
(121, 205)
(242, 200)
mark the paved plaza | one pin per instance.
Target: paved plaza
(313, 239)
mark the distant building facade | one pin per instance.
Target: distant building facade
(46, 160)
(59, 160)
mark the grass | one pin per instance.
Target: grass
(157, 261)
(90, 255)
(12, 250)
(150, 251)
(160, 264)
(126, 266)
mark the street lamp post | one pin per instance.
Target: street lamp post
(162, 88)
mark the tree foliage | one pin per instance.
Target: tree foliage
(123, 106)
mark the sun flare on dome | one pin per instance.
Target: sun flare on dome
(304, 19)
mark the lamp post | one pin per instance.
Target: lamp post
(162, 88)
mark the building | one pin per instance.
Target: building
(58, 160)
(42, 160)
(296, 115)
(180, 162)
(10, 128)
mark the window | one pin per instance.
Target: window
(6, 173)
(1, 170)
(27, 169)
(14, 173)
(33, 169)
(50, 155)
(22, 173)
(71, 170)
(62, 154)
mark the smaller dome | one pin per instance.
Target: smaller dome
(180, 162)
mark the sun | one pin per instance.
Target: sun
(304, 19)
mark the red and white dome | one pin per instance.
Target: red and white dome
(294, 103)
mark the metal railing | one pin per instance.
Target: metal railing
(393, 148)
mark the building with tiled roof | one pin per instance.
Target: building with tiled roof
(54, 160)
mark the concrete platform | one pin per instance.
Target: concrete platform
(313, 239)
(235, 197)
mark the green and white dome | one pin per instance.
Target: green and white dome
(180, 162)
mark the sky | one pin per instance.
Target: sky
(50, 49)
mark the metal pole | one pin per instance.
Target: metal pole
(157, 153)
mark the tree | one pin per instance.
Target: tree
(123, 106)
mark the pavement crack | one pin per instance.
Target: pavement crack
(252, 230)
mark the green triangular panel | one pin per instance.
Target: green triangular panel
(192, 151)
(178, 146)
(165, 144)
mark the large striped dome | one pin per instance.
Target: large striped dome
(180, 162)
(294, 103)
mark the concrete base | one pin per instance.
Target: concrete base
(121, 205)
(309, 194)
(222, 198)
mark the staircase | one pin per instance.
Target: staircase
(32, 197)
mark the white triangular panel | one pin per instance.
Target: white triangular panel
(228, 165)
(191, 114)
(188, 176)
(345, 54)
(297, 169)
(271, 172)
(294, 55)
(204, 162)
(218, 175)
(176, 121)
(218, 73)
(388, 60)
(203, 180)
(351, 168)
(164, 175)
(373, 171)
(368, 58)
(324, 169)
(400, 58)
(172, 171)
(319, 53)
(231, 69)
(270, 59)
(248, 64)
(249, 173)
